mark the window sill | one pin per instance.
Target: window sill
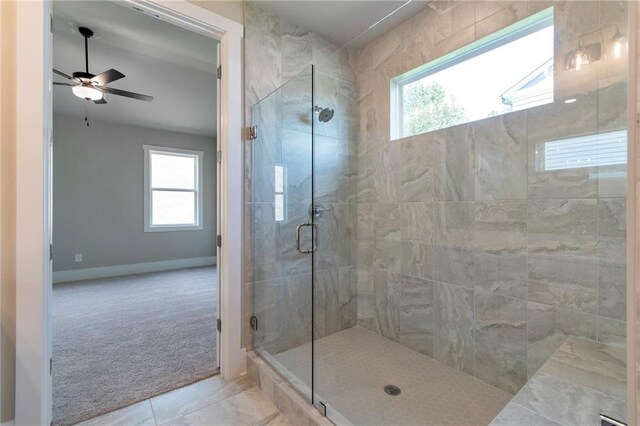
(171, 228)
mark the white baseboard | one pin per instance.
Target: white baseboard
(134, 268)
(7, 423)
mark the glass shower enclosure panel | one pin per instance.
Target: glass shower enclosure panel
(282, 242)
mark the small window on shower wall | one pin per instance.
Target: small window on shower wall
(507, 71)
(279, 209)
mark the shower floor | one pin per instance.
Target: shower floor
(354, 365)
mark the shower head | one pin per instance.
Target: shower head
(324, 114)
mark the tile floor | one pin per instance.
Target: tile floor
(211, 402)
(353, 366)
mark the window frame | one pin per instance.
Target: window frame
(149, 150)
(522, 28)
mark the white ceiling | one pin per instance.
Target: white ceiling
(175, 66)
(342, 21)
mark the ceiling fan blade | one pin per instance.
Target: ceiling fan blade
(100, 101)
(126, 94)
(107, 77)
(60, 73)
(63, 84)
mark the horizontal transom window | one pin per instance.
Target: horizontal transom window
(507, 71)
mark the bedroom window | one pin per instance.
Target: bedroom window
(469, 84)
(173, 189)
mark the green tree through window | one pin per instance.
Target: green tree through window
(427, 107)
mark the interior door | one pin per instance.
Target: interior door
(218, 204)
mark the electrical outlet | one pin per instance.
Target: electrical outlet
(78, 258)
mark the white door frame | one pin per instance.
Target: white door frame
(34, 123)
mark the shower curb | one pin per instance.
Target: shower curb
(290, 403)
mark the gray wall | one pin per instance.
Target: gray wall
(98, 196)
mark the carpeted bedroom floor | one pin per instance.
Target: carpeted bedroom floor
(125, 339)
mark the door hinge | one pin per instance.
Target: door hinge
(50, 252)
(219, 156)
(219, 325)
(219, 240)
(51, 366)
(253, 133)
(219, 72)
(253, 322)
(51, 22)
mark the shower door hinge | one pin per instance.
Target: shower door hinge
(322, 408)
(219, 156)
(219, 325)
(253, 322)
(219, 72)
(219, 241)
(253, 133)
(51, 366)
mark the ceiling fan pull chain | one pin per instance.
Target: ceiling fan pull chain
(86, 115)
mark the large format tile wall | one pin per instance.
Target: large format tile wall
(278, 289)
(467, 251)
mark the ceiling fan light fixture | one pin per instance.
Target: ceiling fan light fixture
(87, 92)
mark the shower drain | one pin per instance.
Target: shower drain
(392, 390)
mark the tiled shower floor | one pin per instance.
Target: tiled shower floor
(353, 366)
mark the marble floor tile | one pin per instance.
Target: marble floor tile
(139, 414)
(191, 398)
(249, 407)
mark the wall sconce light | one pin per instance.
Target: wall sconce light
(586, 54)
(583, 55)
(618, 44)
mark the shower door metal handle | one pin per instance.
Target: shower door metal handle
(313, 236)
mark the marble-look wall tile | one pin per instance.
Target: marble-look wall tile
(366, 301)
(455, 266)
(565, 284)
(386, 294)
(501, 157)
(386, 221)
(265, 243)
(386, 255)
(612, 332)
(612, 217)
(510, 13)
(500, 226)
(417, 222)
(612, 290)
(267, 306)
(453, 326)
(457, 181)
(548, 327)
(335, 292)
(453, 224)
(420, 159)
(501, 274)
(416, 314)
(562, 227)
(417, 260)
(295, 310)
(501, 341)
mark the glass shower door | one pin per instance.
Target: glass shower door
(281, 248)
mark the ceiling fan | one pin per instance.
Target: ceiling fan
(93, 87)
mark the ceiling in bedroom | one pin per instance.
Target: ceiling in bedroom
(172, 64)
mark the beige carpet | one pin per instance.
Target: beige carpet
(122, 340)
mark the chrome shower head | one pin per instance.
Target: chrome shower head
(324, 114)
